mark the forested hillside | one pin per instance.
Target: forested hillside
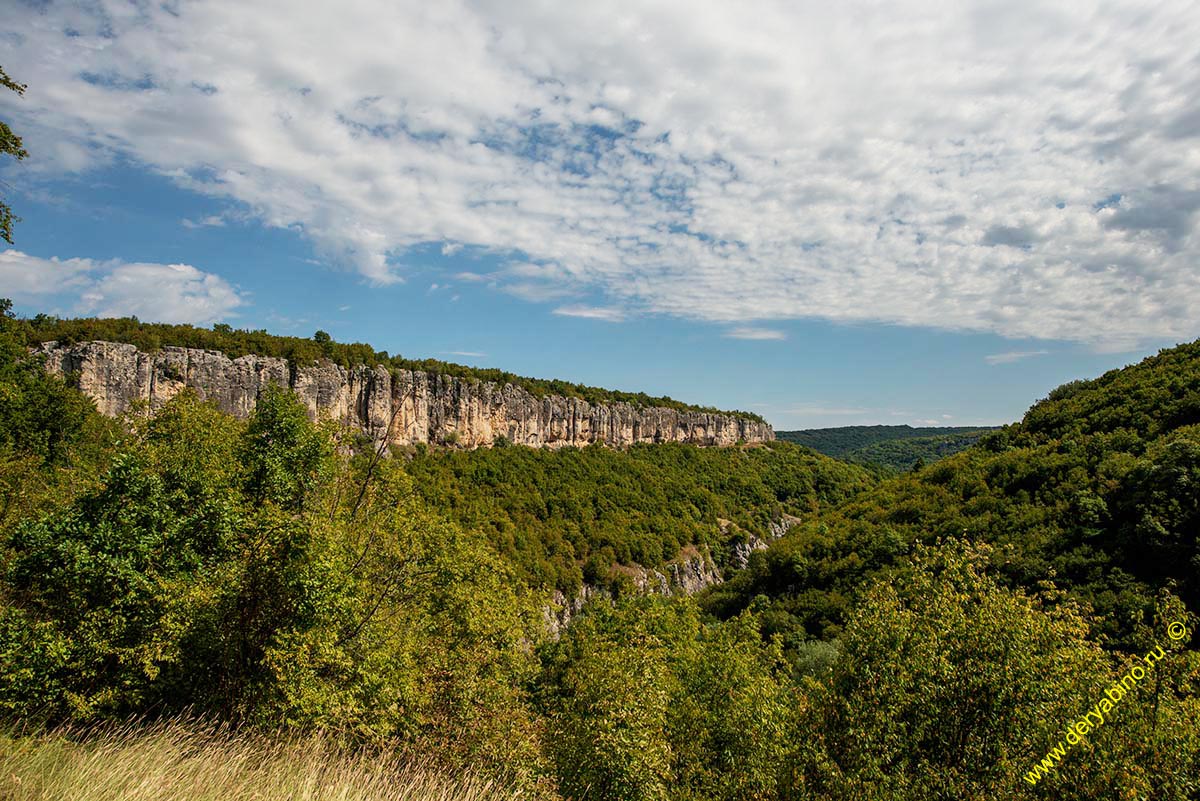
(562, 516)
(893, 447)
(1097, 487)
(185, 595)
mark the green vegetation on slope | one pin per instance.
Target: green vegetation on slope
(239, 342)
(1099, 486)
(259, 574)
(907, 454)
(949, 685)
(567, 515)
(246, 571)
(894, 447)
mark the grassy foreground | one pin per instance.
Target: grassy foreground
(172, 762)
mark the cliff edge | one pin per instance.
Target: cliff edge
(402, 407)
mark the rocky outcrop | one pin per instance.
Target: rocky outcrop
(740, 550)
(401, 407)
(689, 573)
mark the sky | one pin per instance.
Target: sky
(827, 213)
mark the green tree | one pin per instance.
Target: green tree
(287, 457)
(39, 415)
(117, 585)
(10, 145)
(648, 702)
(52, 441)
(248, 570)
(950, 686)
(609, 732)
(733, 720)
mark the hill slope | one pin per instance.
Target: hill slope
(1098, 485)
(896, 447)
(569, 515)
(558, 518)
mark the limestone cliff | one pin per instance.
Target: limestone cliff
(401, 406)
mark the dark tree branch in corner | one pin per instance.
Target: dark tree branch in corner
(10, 144)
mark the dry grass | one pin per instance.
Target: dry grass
(174, 762)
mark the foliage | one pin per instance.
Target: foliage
(247, 571)
(860, 443)
(648, 703)
(609, 730)
(234, 343)
(560, 514)
(914, 453)
(949, 686)
(269, 575)
(1096, 487)
(10, 145)
(51, 438)
(39, 415)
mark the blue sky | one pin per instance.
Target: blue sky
(794, 211)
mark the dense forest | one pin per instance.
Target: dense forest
(1096, 487)
(298, 350)
(924, 636)
(563, 516)
(892, 447)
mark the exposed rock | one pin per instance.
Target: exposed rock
(402, 406)
(739, 552)
(689, 573)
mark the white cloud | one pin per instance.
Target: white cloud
(474, 354)
(27, 278)
(754, 333)
(211, 221)
(169, 293)
(1011, 356)
(912, 162)
(608, 315)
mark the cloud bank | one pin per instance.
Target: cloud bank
(1018, 168)
(169, 293)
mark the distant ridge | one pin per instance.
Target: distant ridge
(896, 447)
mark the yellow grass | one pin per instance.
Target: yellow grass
(174, 762)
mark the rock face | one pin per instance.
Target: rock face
(739, 553)
(689, 573)
(401, 407)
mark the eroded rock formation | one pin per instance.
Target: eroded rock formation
(400, 406)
